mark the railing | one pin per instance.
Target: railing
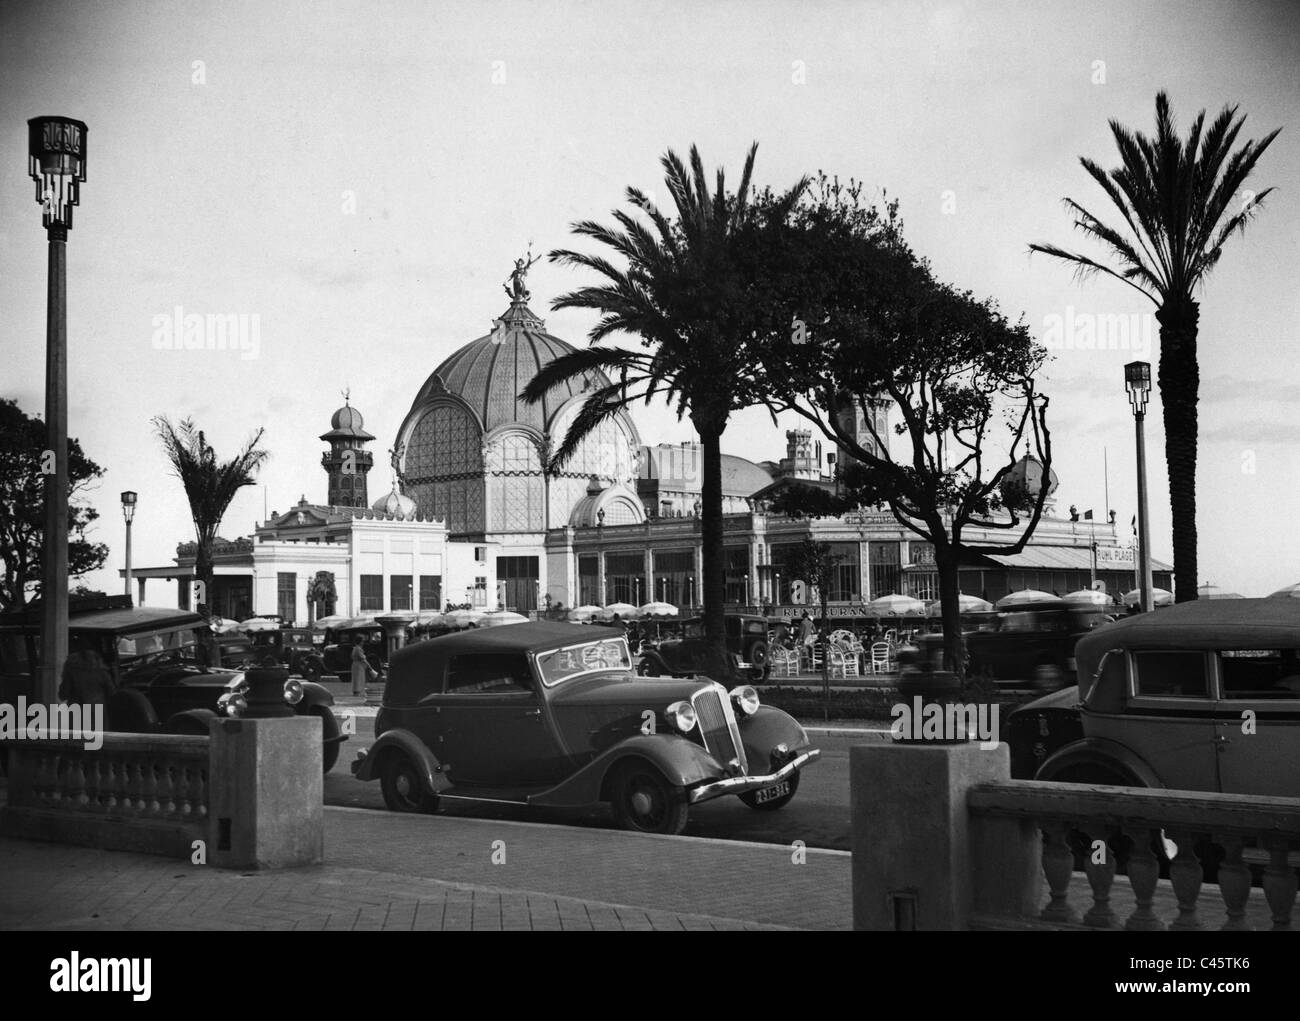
(135, 792)
(1245, 828)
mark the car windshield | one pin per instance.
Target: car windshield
(562, 664)
(693, 629)
(178, 643)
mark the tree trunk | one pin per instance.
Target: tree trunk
(1179, 379)
(713, 583)
(203, 572)
(946, 563)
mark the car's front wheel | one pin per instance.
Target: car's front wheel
(403, 789)
(750, 798)
(646, 802)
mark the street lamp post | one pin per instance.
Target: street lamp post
(128, 512)
(1137, 381)
(56, 161)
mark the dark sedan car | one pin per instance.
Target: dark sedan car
(159, 666)
(1031, 646)
(552, 715)
(336, 656)
(291, 647)
(746, 639)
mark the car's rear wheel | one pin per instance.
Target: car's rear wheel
(129, 711)
(329, 728)
(403, 789)
(750, 798)
(646, 802)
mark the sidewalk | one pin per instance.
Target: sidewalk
(390, 871)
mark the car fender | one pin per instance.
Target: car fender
(682, 762)
(402, 742)
(766, 729)
(313, 694)
(191, 721)
(1097, 751)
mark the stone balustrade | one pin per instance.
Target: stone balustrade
(1099, 821)
(135, 792)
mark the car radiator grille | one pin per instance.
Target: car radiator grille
(718, 726)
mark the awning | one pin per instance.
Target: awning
(1057, 558)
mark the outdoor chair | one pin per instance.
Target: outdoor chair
(785, 662)
(881, 658)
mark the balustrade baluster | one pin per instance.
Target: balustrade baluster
(135, 785)
(1279, 882)
(1058, 864)
(77, 797)
(1185, 875)
(1234, 881)
(201, 793)
(150, 770)
(91, 763)
(167, 790)
(183, 809)
(1143, 874)
(1101, 876)
(42, 777)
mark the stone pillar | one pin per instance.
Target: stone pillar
(912, 860)
(395, 625)
(266, 806)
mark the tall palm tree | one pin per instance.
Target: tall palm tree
(209, 484)
(1180, 204)
(689, 293)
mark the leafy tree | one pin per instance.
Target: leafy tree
(891, 342)
(209, 484)
(1180, 203)
(688, 293)
(22, 508)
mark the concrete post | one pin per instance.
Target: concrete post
(266, 806)
(912, 861)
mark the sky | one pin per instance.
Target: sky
(360, 177)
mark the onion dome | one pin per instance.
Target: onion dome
(347, 423)
(1022, 484)
(395, 504)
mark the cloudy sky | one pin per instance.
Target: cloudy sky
(360, 176)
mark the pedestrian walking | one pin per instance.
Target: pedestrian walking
(362, 672)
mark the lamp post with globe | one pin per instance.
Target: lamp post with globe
(56, 161)
(1137, 381)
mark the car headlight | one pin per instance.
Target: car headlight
(293, 691)
(232, 703)
(745, 699)
(682, 716)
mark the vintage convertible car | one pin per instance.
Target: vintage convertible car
(684, 657)
(552, 715)
(1202, 695)
(157, 657)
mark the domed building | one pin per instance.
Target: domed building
(474, 516)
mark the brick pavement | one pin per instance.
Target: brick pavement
(386, 871)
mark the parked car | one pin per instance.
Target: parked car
(291, 647)
(1162, 698)
(1031, 646)
(336, 655)
(156, 655)
(234, 650)
(746, 639)
(552, 715)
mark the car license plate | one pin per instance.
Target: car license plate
(779, 790)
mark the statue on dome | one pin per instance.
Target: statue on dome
(514, 286)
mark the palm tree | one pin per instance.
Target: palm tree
(689, 293)
(1179, 201)
(209, 484)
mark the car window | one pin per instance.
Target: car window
(693, 631)
(560, 665)
(1172, 674)
(488, 672)
(1260, 673)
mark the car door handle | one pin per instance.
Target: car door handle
(531, 712)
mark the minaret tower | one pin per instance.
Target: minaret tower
(347, 461)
